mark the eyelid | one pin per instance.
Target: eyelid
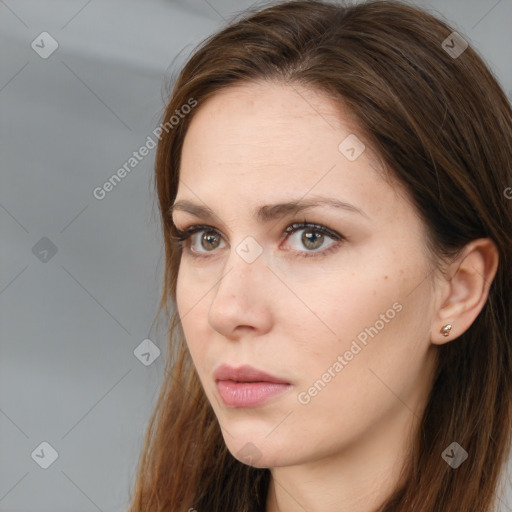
(297, 226)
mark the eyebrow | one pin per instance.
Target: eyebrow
(269, 212)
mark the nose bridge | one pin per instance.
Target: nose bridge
(249, 250)
(246, 261)
(237, 295)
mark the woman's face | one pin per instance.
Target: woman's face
(346, 323)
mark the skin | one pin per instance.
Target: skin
(256, 144)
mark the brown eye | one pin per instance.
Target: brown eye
(209, 240)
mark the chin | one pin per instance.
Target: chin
(261, 454)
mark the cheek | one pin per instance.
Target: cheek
(190, 293)
(378, 351)
(189, 306)
(365, 315)
(345, 303)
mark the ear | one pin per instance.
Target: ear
(464, 289)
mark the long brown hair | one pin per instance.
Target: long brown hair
(443, 126)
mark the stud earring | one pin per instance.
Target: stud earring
(445, 330)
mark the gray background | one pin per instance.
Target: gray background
(70, 321)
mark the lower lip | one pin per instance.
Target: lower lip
(248, 394)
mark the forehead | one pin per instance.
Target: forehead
(257, 140)
(260, 111)
(274, 124)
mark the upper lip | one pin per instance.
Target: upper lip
(245, 373)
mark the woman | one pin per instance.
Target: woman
(332, 183)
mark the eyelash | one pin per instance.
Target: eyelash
(183, 236)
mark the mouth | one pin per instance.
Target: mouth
(248, 394)
(246, 386)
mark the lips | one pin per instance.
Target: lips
(246, 386)
(245, 373)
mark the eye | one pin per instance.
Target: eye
(312, 238)
(209, 239)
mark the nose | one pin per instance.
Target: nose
(241, 299)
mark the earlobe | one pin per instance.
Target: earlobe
(471, 277)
